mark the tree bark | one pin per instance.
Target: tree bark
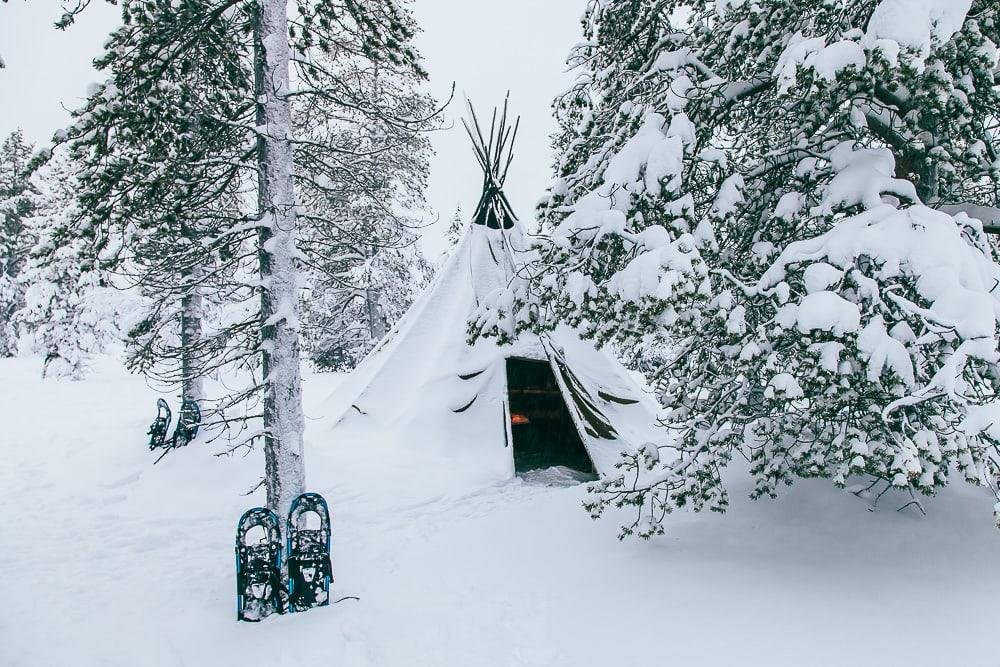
(376, 322)
(192, 383)
(284, 422)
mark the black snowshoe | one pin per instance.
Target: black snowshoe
(309, 570)
(158, 429)
(187, 423)
(258, 567)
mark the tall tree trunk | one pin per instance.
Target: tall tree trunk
(283, 418)
(192, 385)
(928, 187)
(376, 322)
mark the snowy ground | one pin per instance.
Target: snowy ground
(107, 560)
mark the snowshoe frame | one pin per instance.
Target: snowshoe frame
(258, 567)
(310, 572)
(158, 429)
(188, 421)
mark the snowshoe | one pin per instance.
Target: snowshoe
(158, 429)
(258, 565)
(309, 570)
(187, 423)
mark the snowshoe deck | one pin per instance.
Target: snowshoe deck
(188, 422)
(158, 429)
(258, 566)
(310, 572)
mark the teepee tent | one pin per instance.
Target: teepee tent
(544, 400)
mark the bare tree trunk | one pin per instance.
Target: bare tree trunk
(928, 187)
(192, 385)
(284, 423)
(376, 322)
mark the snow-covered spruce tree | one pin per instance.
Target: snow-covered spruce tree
(70, 310)
(270, 45)
(456, 226)
(16, 205)
(744, 188)
(161, 191)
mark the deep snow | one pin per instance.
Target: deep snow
(108, 560)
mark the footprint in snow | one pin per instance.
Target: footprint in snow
(124, 481)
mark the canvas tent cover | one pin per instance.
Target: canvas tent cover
(424, 387)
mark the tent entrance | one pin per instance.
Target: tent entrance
(542, 428)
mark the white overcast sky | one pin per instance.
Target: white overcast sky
(485, 47)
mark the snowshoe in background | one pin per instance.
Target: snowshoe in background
(309, 570)
(258, 565)
(187, 423)
(158, 429)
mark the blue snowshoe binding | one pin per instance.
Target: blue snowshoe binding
(158, 429)
(309, 570)
(187, 423)
(258, 566)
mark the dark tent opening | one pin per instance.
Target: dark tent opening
(543, 431)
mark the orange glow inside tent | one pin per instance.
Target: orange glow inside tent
(519, 419)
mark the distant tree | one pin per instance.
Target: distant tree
(376, 274)
(456, 227)
(17, 203)
(364, 263)
(70, 310)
